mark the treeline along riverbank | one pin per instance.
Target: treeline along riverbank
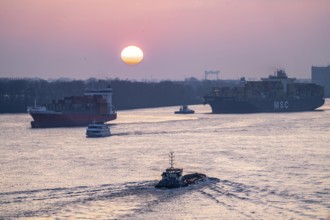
(17, 94)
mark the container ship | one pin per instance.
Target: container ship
(277, 93)
(74, 111)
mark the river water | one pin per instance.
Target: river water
(269, 166)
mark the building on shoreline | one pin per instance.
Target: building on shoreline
(321, 76)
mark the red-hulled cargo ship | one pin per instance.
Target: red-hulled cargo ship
(74, 111)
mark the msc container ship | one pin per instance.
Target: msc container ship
(277, 93)
(74, 111)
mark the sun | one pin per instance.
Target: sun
(132, 55)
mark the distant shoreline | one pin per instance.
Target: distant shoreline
(17, 94)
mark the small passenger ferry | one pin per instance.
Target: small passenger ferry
(98, 130)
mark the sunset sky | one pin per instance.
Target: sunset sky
(84, 38)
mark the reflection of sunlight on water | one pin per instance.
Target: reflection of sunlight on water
(268, 165)
(146, 118)
(163, 115)
(98, 209)
(326, 105)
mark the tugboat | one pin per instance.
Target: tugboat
(184, 110)
(172, 177)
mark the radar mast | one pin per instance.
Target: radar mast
(171, 159)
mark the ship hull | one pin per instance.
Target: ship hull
(50, 120)
(223, 105)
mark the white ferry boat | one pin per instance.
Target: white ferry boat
(98, 130)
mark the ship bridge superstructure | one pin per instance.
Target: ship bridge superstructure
(106, 93)
(280, 76)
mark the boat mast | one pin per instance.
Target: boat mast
(171, 158)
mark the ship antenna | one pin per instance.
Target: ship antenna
(171, 157)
